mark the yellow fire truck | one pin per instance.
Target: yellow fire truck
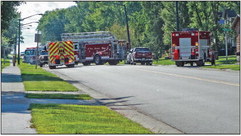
(61, 53)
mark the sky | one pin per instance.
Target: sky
(32, 8)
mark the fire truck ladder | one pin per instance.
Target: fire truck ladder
(89, 37)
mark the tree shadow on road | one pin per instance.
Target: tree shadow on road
(119, 101)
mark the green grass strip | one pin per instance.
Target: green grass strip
(163, 61)
(59, 96)
(222, 63)
(81, 119)
(232, 59)
(41, 80)
(4, 63)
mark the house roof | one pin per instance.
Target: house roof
(236, 20)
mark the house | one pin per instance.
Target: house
(236, 28)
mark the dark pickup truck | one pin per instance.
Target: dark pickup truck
(140, 55)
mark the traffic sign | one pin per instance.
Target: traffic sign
(226, 29)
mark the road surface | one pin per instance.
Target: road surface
(190, 99)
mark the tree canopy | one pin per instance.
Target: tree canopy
(9, 25)
(150, 22)
(8, 12)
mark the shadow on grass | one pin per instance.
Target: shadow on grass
(39, 77)
(5, 62)
(227, 62)
(42, 77)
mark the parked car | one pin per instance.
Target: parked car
(43, 58)
(139, 55)
(30, 55)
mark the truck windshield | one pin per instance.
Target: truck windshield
(142, 49)
(43, 53)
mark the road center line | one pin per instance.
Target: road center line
(191, 77)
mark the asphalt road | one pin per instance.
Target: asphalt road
(190, 99)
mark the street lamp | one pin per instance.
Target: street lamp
(19, 28)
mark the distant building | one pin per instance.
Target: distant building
(236, 27)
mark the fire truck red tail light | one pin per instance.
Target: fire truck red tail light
(57, 57)
(173, 34)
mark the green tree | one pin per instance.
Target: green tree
(52, 25)
(8, 12)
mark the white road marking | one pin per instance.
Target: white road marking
(192, 77)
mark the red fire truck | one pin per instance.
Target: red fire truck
(192, 46)
(96, 47)
(60, 53)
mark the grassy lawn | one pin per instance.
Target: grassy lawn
(59, 96)
(232, 67)
(222, 63)
(41, 80)
(163, 61)
(81, 119)
(4, 63)
(231, 60)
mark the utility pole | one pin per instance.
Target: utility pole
(226, 46)
(127, 26)
(19, 30)
(177, 17)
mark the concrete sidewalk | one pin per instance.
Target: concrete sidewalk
(15, 114)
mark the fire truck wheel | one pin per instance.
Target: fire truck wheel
(70, 66)
(97, 60)
(86, 63)
(52, 67)
(113, 62)
(179, 64)
(200, 63)
(148, 63)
